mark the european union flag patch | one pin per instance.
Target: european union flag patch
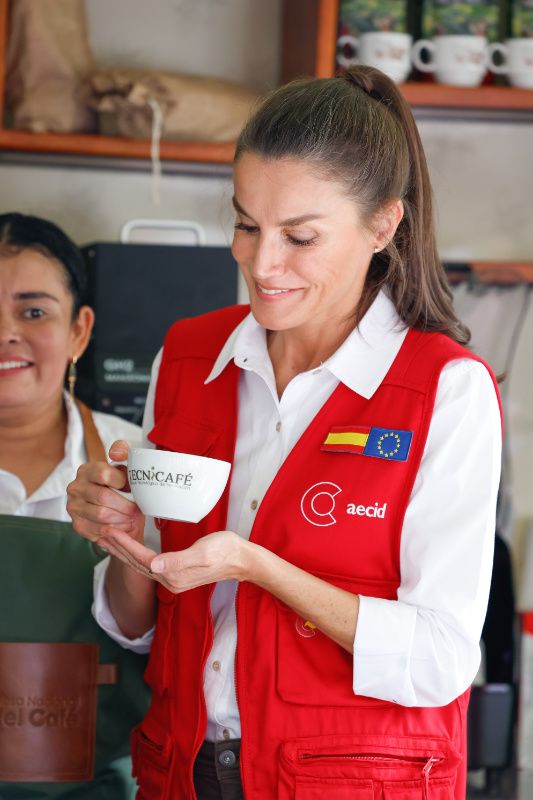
(393, 445)
(390, 444)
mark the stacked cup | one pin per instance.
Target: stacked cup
(464, 60)
(458, 51)
(516, 55)
(455, 59)
(459, 54)
(375, 34)
(517, 61)
(389, 51)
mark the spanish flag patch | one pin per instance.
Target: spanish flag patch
(386, 443)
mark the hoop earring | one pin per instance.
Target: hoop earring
(72, 375)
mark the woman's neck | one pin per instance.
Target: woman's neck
(32, 441)
(295, 351)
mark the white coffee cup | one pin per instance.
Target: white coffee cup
(517, 55)
(455, 59)
(176, 486)
(388, 51)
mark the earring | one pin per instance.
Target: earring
(72, 375)
(377, 249)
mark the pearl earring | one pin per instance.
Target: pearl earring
(377, 249)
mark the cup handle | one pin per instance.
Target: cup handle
(342, 60)
(127, 495)
(503, 51)
(416, 50)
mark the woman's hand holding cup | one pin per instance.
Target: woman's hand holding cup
(96, 508)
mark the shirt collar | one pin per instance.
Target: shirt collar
(361, 362)
(246, 346)
(54, 485)
(366, 355)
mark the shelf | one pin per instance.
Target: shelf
(115, 147)
(492, 99)
(495, 98)
(309, 42)
(504, 273)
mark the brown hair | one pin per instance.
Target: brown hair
(358, 129)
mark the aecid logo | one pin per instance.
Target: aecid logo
(318, 504)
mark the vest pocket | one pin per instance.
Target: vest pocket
(158, 669)
(370, 766)
(175, 432)
(151, 755)
(334, 790)
(312, 669)
(412, 790)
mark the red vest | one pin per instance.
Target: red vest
(305, 735)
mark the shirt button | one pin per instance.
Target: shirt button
(216, 666)
(254, 504)
(227, 758)
(225, 733)
(278, 426)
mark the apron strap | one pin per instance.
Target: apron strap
(107, 673)
(93, 443)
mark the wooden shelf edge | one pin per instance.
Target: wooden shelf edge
(438, 95)
(115, 147)
(493, 272)
(424, 95)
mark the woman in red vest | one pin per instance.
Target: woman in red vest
(317, 633)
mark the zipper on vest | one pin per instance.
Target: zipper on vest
(428, 763)
(428, 766)
(376, 757)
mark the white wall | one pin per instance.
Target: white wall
(93, 204)
(482, 172)
(192, 36)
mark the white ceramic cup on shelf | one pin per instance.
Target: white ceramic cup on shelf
(455, 59)
(177, 486)
(517, 61)
(389, 51)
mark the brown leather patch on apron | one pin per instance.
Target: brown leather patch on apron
(48, 711)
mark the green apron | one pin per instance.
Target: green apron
(46, 593)
(46, 584)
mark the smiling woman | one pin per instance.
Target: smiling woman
(45, 575)
(317, 632)
(303, 273)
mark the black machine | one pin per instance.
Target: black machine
(137, 292)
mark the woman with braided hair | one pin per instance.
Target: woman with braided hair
(317, 633)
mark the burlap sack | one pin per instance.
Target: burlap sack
(48, 59)
(193, 108)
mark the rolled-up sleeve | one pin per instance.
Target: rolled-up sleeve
(105, 619)
(423, 648)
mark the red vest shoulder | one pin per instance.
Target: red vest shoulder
(203, 336)
(423, 356)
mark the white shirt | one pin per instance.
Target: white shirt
(49, 500)
(423, 648)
